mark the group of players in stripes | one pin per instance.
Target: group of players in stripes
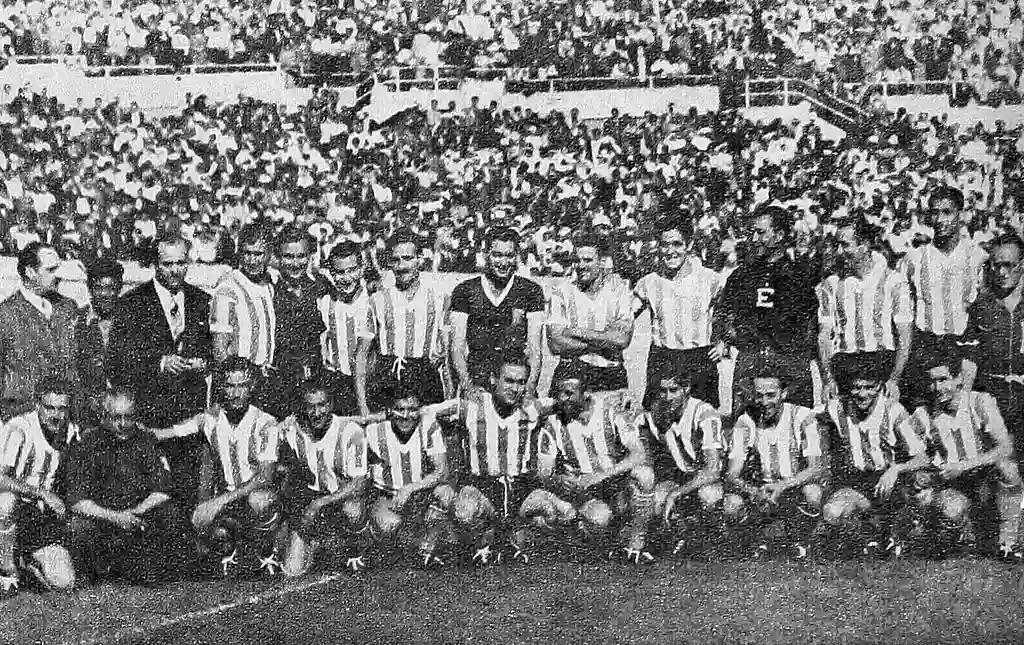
(901, 453)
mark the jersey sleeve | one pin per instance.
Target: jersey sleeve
(908, 438)
(547, 444)
(622, 306)
(461, 302)
(434, 439)
(269, 441)
(987, 411)
(902, 305)
(641, 295)
(223, 312)
(823, 291)
(810, 437)
(12, 443)
(533, 298)
(627, 429)
(740, 437)
(710, 425)
(369, 328)
(353, 448)
(559, 307)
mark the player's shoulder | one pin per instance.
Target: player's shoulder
(468, 288)
(982, 401)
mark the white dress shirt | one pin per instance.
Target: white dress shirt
(44, 306)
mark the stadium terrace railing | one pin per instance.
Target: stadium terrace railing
(773, 92)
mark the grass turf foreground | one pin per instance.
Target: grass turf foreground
(961, 601)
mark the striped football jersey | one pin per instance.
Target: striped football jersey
(965, 435)
(245, 310)
(497, 446)
(240, 450)
(26, 453)
(340, 454)
(943, 285)
(580, 449)
(395, 463)
(345, 323)
(885, 437)
(681, 308)
(863, 313)
(415, 328)
(782, 450)
(699, 428)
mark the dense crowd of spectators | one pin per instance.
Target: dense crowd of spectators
(974, 41)
(105, 178)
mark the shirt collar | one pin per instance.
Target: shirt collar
(43, 305)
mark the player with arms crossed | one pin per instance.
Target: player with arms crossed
(972, 451)
(500, 430)
(872, 445)
(409, 468)
(239, 507)
(776, 461)
(594, 465)
(326, 464)
(683, 437)
(32, 513)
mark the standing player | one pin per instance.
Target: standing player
(776, 460)
(242, 319)
(344, 313)
(944, 276)
(238, 502)
(591, 322)
(326, 464)
(32, 513)
(871, 445)
(684, 440)
(409, 469)
(681, 296)
(594, 466)
(409, 325)
(496, 313)
(767, 310)
(865, 309)
(500, 433)
(972, 449)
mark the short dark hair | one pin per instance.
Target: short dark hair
(236, 364)
(510, 358)
(782, 219)
(255, 233)
(863, 230)
(115, 392)
(589, 240)
(404, 389)
(344, 249)
(770, 367)
(947, 192)
(673, 371)
(172, 239)
(28, 257)
(937, 358)
(317, 382)
(402, 236)
(104, 268)
(677, 223)
(1007, 238)
(573, 371)
(293, 234)
(501, 234)
(849, 367)
(53, 385)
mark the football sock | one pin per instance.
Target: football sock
(8, 532)
(1008, 500)
(643, 511)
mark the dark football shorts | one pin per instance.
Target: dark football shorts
(39, 527)
(506, 494)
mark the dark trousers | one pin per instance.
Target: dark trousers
(662, 361)
(162, 552)
(598, 379)
(184, 456)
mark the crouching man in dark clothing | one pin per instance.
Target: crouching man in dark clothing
(125, 524)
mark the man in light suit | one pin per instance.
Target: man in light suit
(161, 350)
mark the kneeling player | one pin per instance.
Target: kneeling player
(872, 444)
(683, 436)
(594, 466)
(239, 505)
(326, 467)
(32, 514)
(775, 463)
(973, 452)
(500, 433)
(409, 470)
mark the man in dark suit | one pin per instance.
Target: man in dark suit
(161, 350)
(105, 279)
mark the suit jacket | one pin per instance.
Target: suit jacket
(92, 354)
(140, 336)
(32, 347)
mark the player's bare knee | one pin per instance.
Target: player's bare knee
(643, 478)
(1009, 474)
(443, 496)
(466, 508)
(56, 566)
(954, 505)
(596, 514)
(813, 494)
(8, 505)
(262, 502)
(711, 495)
(385, 520)
(732, 504)
(353, 510)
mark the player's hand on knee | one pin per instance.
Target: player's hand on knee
(670, 506)
(55, 504)
(205, 514)
(952, 470)
(887, 483)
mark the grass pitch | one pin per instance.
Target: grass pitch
(963, 601)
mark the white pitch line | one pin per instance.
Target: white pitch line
(213, 611)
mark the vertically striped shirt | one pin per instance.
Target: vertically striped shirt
(877, 442)
(345, 322)
(596, 447)
(863, 313)
(965, 435)
(413, 328)
(782, 450)
(681, 308)
(340, 454)
(395, 463)
(698, 428)
(26, 453)
(245, 310)
(571, 307)
(240, 450)
(497, 446)
(943, 286)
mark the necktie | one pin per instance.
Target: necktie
(177, 320)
